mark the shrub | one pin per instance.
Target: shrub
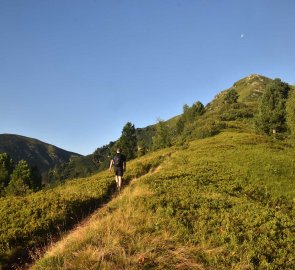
(207, 128)
(29, 221)
(235, 111)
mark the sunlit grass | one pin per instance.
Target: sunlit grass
(30, 221)
(225, 202)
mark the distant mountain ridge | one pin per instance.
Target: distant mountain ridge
(37, 153)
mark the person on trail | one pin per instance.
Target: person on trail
(119, 162)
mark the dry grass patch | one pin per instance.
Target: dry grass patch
(122, 235)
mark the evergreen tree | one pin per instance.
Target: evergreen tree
(6, 168)
(231, 97)
(189, 115)
(180, 125)
(290, 108)
(185, 109)
(128, 141)
(4, 179)
(162, 138)
(198, 108)
(21, 179)
(142, 148)
(36, 178)
(272, 111)
(102, 155)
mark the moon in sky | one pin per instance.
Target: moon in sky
(242, 35)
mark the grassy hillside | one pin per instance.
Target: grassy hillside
(99, 160)
(249, 89)
(225, 202)
(33, 220)
(222, 197)
(35, 152)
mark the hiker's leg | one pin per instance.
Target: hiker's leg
(119, 182)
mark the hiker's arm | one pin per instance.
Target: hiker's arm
(124, 166)
(111, 164)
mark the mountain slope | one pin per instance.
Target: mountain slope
(250, 89)
(225, 202)
(35, 152)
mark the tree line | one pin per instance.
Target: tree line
(18, 179)
(275, 115)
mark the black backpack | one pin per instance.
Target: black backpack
(118, 160)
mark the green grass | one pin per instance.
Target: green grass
(31, 221)
(251, 87)
(225, 202)
(222, 198)
(28, 221)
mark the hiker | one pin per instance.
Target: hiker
(119, 162)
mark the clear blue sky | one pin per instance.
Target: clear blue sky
(72, 73)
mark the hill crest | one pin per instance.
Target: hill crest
(35, 152)
(249, 88)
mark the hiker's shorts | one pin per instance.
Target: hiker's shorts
(119, 171)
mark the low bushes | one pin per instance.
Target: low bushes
(32, 220)
(218, 197)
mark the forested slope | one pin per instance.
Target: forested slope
(35, 152)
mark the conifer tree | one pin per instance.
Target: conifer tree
(162, 138)
(128, 141)
(189, 115)
(272, 110)
(231, 97)
(142, 148)
(290, 108)
(21, 180)
(6, 168)
(36, 178)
